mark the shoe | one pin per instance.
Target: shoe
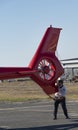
(54, 118)
(67, 117)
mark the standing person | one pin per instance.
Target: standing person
(60, 99)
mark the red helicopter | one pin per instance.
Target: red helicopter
(44, 67)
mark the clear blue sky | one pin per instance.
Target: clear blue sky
(23, 23)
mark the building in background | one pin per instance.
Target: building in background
(70, 69)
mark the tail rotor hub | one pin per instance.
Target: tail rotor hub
(46, 69)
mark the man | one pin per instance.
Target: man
(60, 99)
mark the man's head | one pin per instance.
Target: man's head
(60, 83)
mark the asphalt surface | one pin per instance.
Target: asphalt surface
(37, 115)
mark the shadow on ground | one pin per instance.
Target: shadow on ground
(69, 126)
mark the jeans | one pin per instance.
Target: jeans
(63, 104)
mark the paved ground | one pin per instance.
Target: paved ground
(36, 115)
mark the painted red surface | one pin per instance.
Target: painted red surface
(44, 68)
